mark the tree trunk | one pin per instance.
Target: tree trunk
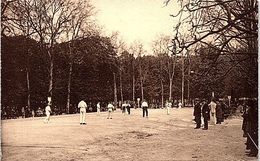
(142, 89)
(188, 85)
(69, 88)
(162, 93)
(115, 90)
(121, 86)
(51, 78)
(28, 89)
(188, 82)
(133, 68)
(182, 82)
(170, 93)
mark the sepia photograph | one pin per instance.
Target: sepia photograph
(129, 80)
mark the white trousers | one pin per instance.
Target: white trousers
(98, 111)
(82, 115)
(109, 114)
(213, 118)
(168, 110)
(47, 119)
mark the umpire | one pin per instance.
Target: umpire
(197, 114)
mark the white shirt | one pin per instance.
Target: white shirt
(144, 104)
(169, 105)
(98, 106)
(213, 106)
(110, 107)
(47, 110)
(82, 104)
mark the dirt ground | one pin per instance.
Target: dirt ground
(126, 138)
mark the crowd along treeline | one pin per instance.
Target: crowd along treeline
(92, 74)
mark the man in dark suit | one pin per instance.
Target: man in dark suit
(197, 113)
(205, 114)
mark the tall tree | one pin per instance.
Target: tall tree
(48, 19)
(77, 28)
(227, 26)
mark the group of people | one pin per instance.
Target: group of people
(126, 106)
(110, 108)
(212, 112)
(250, 126)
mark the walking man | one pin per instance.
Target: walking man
(82, 106)
(48, 113)
(197, 114)
(145, 108)
(205, 114)
(110, 110)
(98, 108)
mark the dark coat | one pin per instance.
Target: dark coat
(197, 110)
(219, 111)
(205, 111)
(245, 119)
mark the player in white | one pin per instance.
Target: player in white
(98, 108)
(168, 106)
(110, 110)
(48, 113)
(145, 108)
(180, 105)
(82, 106)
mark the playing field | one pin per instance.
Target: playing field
(129, 137)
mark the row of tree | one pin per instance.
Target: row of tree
(52, 48)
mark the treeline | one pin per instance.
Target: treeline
(53, 48)
(95, 70)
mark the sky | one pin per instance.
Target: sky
(135, 20)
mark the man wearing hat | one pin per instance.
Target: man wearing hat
(82, 108)
(197, 113)
(205, 114)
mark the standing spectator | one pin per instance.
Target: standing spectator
(179, 105)
(212, 106)
(219, 113)
(98, 108)
(128, 107)
(48, 113)
(33, 113)
(23, 112)
(197, 114)
(145, 108)
(245, 120)
(124, 107)
(82, 106)
(252, 128)
(110, 110)
(205, 114)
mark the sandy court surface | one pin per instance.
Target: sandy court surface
(129, 137)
